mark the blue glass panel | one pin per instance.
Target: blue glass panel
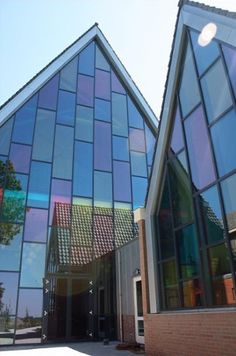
(223, 137)
(9, 284)
(199, 149)
(120, 148)
(230, 58)
(20, 157)
(44, 135)
(137, 140)
(86, 60)
(116, 84)
(135, 118)
(84, 124)
(206, 55)
(217, 98)
(10, 246)
(102, 84)
(36, 225)
(24, 122)
(5, 134)
(83, 169)
(150, 144)
(139, 186)
(48, 94)
(85, 92)
(229, 195)
(177, 140)
(30, 300)
(33, 262)
(119, 115)
(68, 76)
(103, 189)
(101, 62)
(138, 164)
(66, 108)
(39, 185)
(189, 91)
(122, 182)
(102, 146)
(63, 152)
(102, 110)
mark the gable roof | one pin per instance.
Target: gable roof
(195, 16)
(94, 33)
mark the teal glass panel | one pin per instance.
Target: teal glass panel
(150, 144)
(5, 134)
(68, 76)
(39, 185)
(86, 60)
(101, 61)
(181, 194)
(84, 124)
(204, 55)
(44, 135)
(139, 187)
(138, 164)
(63, 152)
(135, 118)
(66, 108)
(224, 143)
(211, 215)
(33, 262)
(102, 110)
(120, 148)
(10, 246)
(217, 98)
(189, 91)
(229, 196)
(83, 169)
(119, 115)
(24, 122)
(103, 189)
(13, 207)
(188, 252)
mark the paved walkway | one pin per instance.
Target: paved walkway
(74, 349)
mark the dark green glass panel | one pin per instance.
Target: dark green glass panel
(192, 293)
(219, 260)
(180, 193)
(165, 225)
(170, 285)
(188, 252)
(211, 215)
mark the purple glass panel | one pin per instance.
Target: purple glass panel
(36, 225)
(199, 149)
(102, 146)
(102, 84)
(137, 140)
(116, 84)
(85, 90)
(48, 94)
(20, 157)
(121, 174)
(230, 58)
(177, 141)
(60, 193)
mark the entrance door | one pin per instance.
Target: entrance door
(138, 310)
(68, 308)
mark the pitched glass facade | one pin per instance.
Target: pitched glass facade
(196, 217)
(74, 162)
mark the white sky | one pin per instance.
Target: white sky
(33, 32)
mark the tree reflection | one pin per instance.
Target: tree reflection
(12, 199)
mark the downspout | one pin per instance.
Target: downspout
(120, 297)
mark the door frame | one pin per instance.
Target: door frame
(138, 338)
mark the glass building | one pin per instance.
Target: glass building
(76, 148)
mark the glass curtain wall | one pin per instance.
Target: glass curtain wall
(196, 217)
(74, 162)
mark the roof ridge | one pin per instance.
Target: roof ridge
(203, 6)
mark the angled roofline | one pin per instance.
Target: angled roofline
(195, 16)
(33, 85)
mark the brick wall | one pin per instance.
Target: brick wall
(128, 328)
